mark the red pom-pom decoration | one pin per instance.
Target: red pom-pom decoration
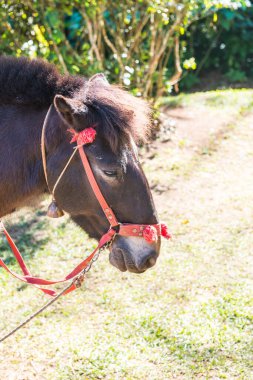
(164, 231)
(150, 234)
(87, 136)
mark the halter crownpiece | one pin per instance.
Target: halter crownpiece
(86, 136)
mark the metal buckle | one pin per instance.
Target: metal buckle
(116, 228)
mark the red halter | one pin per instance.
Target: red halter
(148, 232)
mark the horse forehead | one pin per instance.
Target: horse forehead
(103, 153)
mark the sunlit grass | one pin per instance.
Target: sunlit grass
(218, 98)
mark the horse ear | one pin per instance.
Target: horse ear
(99, 77)
(69, 108)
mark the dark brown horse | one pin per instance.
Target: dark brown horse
(27, 89)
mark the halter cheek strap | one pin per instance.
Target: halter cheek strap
(149, 232)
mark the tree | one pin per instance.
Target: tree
(132, 41)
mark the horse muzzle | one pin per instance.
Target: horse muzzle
(134, 254)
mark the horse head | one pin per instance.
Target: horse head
(120, 121)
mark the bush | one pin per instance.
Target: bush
(140, 44)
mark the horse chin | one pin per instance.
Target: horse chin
(120, 261)
(117, 260)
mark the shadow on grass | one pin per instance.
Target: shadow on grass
(29, 236)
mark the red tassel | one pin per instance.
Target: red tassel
(150, 234)
(87, 136)
(164, 231)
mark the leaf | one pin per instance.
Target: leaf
(58, 36)
(53, 18)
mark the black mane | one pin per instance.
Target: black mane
(33, 82)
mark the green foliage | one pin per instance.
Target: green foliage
(234, 75)
(226, 39)
(136, 43)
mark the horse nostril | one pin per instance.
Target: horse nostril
(147, 262)
(151, 262)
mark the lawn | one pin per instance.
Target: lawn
(189, 317)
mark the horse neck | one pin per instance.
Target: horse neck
(21, 172)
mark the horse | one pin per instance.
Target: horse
(28, 88)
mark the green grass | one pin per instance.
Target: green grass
(189, 317)
(218, 98)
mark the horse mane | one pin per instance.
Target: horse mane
(120, 114)
(35, 83)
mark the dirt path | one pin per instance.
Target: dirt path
(211, 212)
(215, 201)
(221, 184)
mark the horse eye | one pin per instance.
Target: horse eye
(110, 173)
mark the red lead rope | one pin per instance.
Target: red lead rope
(148, 232)
(27, 276)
